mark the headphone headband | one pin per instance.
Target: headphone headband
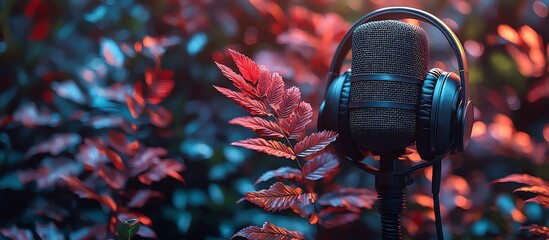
(400, 13)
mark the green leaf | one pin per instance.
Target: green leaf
(127, 229)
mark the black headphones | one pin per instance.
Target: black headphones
(445, 111)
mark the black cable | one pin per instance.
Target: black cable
(438, 158)
(435, 189)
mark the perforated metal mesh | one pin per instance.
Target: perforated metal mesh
(384, 91)
(386, 47)
(392, 47)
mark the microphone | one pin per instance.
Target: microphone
(389, 62)
(388, 100)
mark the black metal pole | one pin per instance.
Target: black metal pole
(391, 196)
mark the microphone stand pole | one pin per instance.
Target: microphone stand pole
(391, 196)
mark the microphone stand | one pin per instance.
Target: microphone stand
(391, 195)
(391, 182)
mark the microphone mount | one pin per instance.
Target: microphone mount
(391, 189)
(392, 177)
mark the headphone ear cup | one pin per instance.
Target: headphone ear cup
(465, 120)
(424, 130)
(329, 109)
(334, 115)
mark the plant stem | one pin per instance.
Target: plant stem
(277, 119)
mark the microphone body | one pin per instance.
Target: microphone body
(389, 61)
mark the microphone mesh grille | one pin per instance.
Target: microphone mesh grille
(391, 47)
(386, 47)
(384, 91)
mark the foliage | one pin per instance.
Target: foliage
(91, 138)
(106, 161)
(263, 94)
(536, 186)
(127, 229)
(268, 231)
(114, 100)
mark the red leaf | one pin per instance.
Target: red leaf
(301, 38)
(135, 102)
(50, 172)
(534, 189)
(535, 185)
(55, 145)
(349, 198)
(304, 210)
(4, 121)
(314, 143)
(138, 94)
(112, 177)
(32, 7)
(295, 124)
(16, 233)
(321, 166)
(270, 147)
(283, 173)
(166, 167)
(539, 90)
(252, 106)
(307, 198)
(133, 147)
(120, 143)
(265, 83)
(176, 175)
(541, 200)
(144, 159)
(135, 109)
(268, 231)
(524, 179)
(112, 223)
(160, 117)
(40, 31)
(332, 217)
(79, 188)
(108, 201)
(248, 68)
(115, 158)
(264, 128)
(141, 197)
(89, 154)
(160, 84)
(278, 197)
(537, 230)
(132, 106)
(238, 81)
(276, 92)
(289, 103)
(314, 219)
(29, 115)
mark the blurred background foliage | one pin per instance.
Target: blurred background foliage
(101, 101)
